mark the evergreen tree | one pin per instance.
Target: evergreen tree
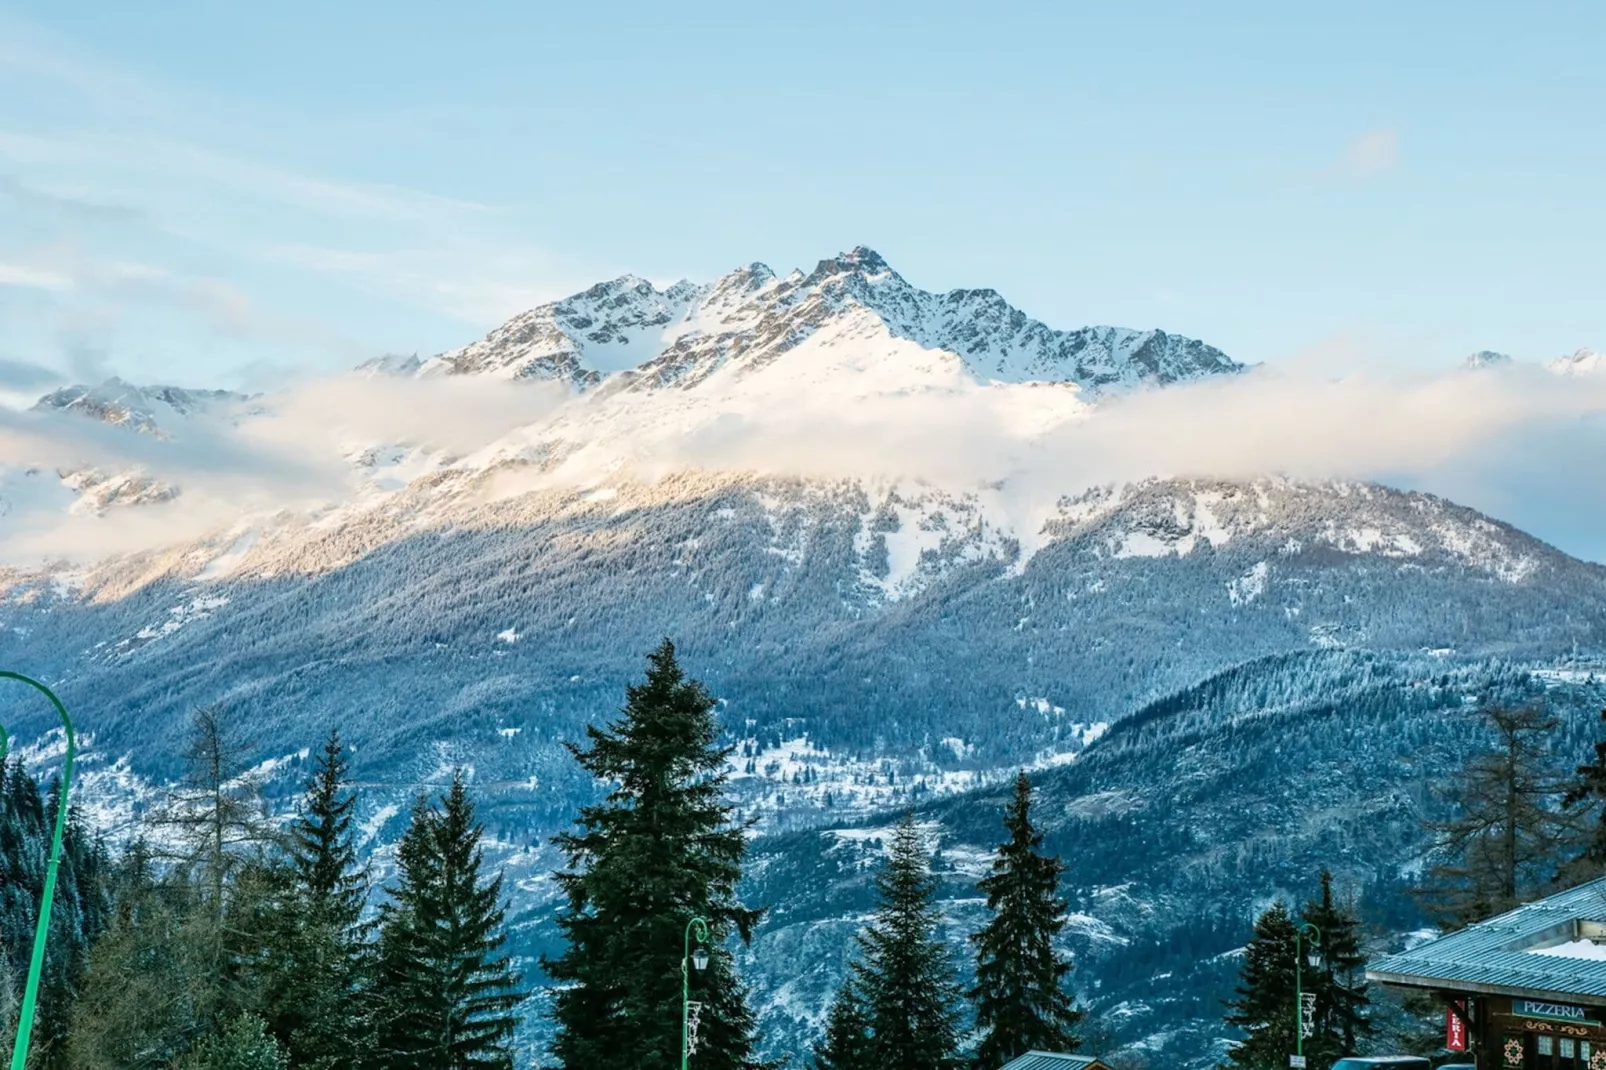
(846, 1044)
(321, 844)
(1506, 836)
(79, 913)
(905, 973)
(1264, 1004)
(445, 994)
(243, 1045)
(658, 850)
(315, 945)
(148, 992)
(1019, 995)
(1340, 987)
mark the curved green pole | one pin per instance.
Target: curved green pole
(19, 1053)
(701, 927)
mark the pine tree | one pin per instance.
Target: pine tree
(243, 1045)
(1506, 836)
(659, 850)
(846, 1044)
(1264, 1004)
(1019, 995)
(321, 844)
(1340, 984)
(904, 971)
(316, 954)
(445, 994)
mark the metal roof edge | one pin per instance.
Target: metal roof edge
(1474, 988)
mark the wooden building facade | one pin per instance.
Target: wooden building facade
(1522, 991)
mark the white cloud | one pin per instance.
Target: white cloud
(31, 277)
(1373, 153)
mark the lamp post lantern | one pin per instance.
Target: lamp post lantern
(36, 965)
(689, 961)
(1302, 956)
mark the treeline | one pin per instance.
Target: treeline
(223, 940)
(662, 853)
(1517, 828)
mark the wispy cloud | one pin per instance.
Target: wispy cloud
(146, 178)
(33, 278)
(1374, 153)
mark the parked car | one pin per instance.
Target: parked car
(1385, 1062)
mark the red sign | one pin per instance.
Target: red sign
(1455, 1029)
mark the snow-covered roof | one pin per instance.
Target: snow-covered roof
(1553, 948)
(1048, 1060)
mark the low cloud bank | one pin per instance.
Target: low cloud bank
(1524, 445)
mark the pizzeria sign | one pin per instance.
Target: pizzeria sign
(1553, 1012)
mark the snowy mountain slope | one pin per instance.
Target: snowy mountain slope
(1581, 362)
(878, 639)
(151, 410)
(679, 336)
(1187, 818)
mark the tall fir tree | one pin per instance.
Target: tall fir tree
(1020, 998)
(1263, 1007)
(846, 1044)
(445, 995)
(316, 962)
(659, 850)
(1342, 999)
(910, 992)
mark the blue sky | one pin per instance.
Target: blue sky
(202, 193)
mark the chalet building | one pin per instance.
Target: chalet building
(1522, 991)
(1048, 1060)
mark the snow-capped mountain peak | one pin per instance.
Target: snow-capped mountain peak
(1486, 358)
(1582, 362)
(150, 410)
(645, 337)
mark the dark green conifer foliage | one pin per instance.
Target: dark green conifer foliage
(905, 971)
(1342, 1021)
(445, 994)
(1019, 995)
(1264, 1006)
(146, 996)
(316, 958)
(658, 850)
(846, 1044)
(244, 1044)
(79, 915)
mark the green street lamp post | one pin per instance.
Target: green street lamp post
(1302, 956)
(689, 961)
(19, 1052)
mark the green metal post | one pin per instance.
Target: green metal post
(701, 926)
(30, 996)
(1299, 975)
